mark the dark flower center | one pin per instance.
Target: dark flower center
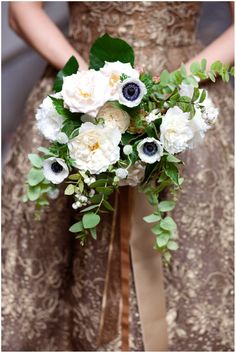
(131, 91)
(150, 148)
(56, 167)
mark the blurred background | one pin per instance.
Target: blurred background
(22, 67)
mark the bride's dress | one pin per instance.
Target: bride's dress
(52, 287)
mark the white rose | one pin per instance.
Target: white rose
(210, 113)
(113, 70)
(49, 122)
(95, 148)
(179, 131)
(114, 117)
(135, 175)
(85, 91)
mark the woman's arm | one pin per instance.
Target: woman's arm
(32, 24)
(220, 49)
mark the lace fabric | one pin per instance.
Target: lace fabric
(52, 287)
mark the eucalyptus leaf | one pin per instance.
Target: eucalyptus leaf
(162, 239)
(165, 206)
(33, 193)
(35, 176)
(90, 220)
(76, 227)
(168, 224)
(152, 218)
(70, 189)
(35, 160)
(172, 245)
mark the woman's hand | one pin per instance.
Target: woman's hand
(32, 24)
(221, 49)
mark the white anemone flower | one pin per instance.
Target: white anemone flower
(55, 170)
(150, 150)
(131, 92)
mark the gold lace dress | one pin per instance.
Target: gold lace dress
(52, 288)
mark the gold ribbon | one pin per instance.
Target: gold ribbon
(148, 276)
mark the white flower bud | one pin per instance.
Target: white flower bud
(121, 173)
(91, 193)
(128, 149)
(87, 180)
(62, 138)
(74, 205)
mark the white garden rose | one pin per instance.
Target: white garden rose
(95, 148)
(85, 91)
(114, 117)
(49, 122)
(210, 113)
(135, 175)
(179, 131)
(113, 70)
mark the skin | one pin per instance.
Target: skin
(30, 21)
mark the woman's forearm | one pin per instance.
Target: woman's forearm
(29, 20)
(221, 49)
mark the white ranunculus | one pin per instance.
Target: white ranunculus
(114, 117)
(135, 175)
(210, 113)
(85, 91)
(121, 173)
(131, 92)
(95, 148)
(55, 170)
(113, 70)
(49, 122)
(150, 150)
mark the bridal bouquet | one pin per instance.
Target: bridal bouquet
(114, 125)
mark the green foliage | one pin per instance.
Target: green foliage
(35, 176)
(35, 160)
(168, 224)
(107, 48)
(152, 218)
(76, 227)
(71, 67)
(70, 189)
(90, 220)
(165, 206)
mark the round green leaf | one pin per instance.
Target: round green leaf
(168, 224)
(34, 193)
(172, 245)
(90, 220)
(35, 160)
(162, 239)
(166, 206)
(35, 176)
(70, 189)
(152, 218)
(76, 227)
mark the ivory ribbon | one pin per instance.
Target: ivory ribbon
(148, 277)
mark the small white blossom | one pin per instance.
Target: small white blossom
(83, 199)
(62, 138)
(92, 193)
(75, 206)
(150, 150)
(153, 115)
(55, 170)
(121, 173)
(128, 149)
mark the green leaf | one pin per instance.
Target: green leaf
(164, 78)
(70, 189)
(24, 198)
(62, 111)
(203, 64)
(45, 151)
(96, 198)
(196, 94)
(202, 96)
(33, 193)
(89, 208)
(93, 232)
(172, 245)
(76, 227)
(165, 206)
(110, 49)
(232, 71)
(35, 176)
(162, 239)
(172, 172)
(156, 229)
(105, 190)
(90, 220)
(107, 205)
(212, 76)
(74, 176)
(183, 70)
(100, 182)
(168, 224)
(81, 186)
(195, 67)
(71, 67)
(35, 160)
(152, 218)
(167, 256)
(173, 159)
